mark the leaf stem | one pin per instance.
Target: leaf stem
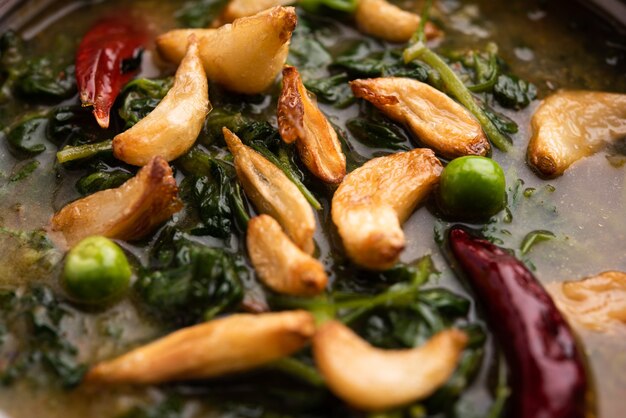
(79, 152)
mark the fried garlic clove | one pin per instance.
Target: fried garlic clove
(245, 56)
(597, 303)
(384, 20)
(273, 193)
(222, 346)
(300, 120)
(570, 125)
(172, 128)
(236, 9)
(437, 120)
(375, 199)
(279, 263)
(373, 379)
(128, 212)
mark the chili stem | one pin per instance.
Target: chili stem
(68, 154)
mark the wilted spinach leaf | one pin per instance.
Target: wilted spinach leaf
(200, 13)
(378, 133)
(75, 125)
(28, 136)
(333, 89)
(514, 93)
(40, 78)
(103, 177)
(35, 318)
(141, 96)
(191, 282)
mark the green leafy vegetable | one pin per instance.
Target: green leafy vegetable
(28, 136)
(141, 96)
(362, 61)
(514, 93)
(334, 89)
(348, 6)
(373, 129)
(103, 178)
(25, 171)
(199, 13)
(190, 282)
(75, 125)
(214, 196)
(40, 78)
(35, 319)
(171, 407)
(32, 79)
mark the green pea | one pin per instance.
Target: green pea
(96, 271)
(472, 187)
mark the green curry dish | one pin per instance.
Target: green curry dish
(33, 340)
(141, 96)
(191, 282)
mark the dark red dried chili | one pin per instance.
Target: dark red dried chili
(102, 61)
(547, 374)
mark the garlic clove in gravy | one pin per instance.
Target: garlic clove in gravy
(273, 193)
(597, 303)
(128, 212)
(438, 121)
(375, 199)
(236, 9)
(245, 56)
(570, 125)
(373, 379)
(300, 120)
(386, 21)
(172, 128)
(222, 346)
(279, 263)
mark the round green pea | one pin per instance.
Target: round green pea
(472, 187)
(96, 271)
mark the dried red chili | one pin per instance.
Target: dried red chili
(547, 373)
(108, 57)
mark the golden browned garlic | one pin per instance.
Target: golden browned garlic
(279, 263)
(129, 212)
(273, 193)
(384, 20)
(172, 128)
(570, 125)
(245, 56)
(300, 120)
(436, 119)
(222, 346)
(597, 303)
(236, 9)
(375, 199)
(373, 379)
